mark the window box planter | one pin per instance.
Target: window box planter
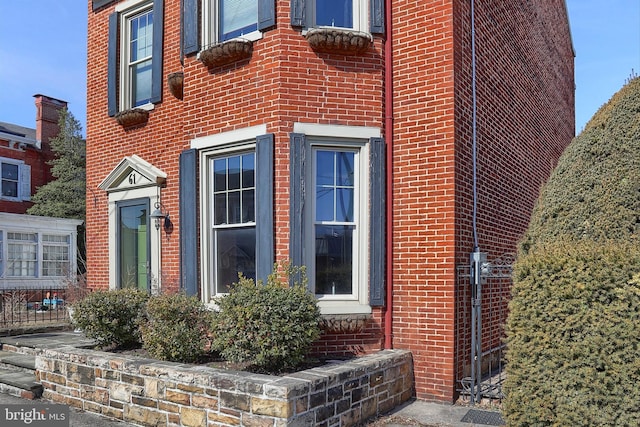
(175, 81)
(226, 52)
(132, 118)
(334, 40)
(348, 323)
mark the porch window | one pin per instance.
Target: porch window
(22, 254)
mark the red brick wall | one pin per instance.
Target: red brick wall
(525, 119)
(286, 82)
(47, 110)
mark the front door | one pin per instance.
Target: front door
(133, 244)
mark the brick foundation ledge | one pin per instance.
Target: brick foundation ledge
(155, 393)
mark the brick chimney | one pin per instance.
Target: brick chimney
(47, 109)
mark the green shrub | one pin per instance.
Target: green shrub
(110, 317)
(573, 336)
(270, 326)
(175, 328)
(593, 192)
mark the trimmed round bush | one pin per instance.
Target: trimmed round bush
(573, 336)
(110, 317)
(594, 192)
(175, 328)
(573, 339)
(271, 326)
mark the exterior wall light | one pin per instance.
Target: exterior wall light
(161, 215)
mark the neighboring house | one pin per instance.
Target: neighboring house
(314, 132)
(35, 251)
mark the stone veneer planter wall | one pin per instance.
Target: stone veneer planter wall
(155, 393)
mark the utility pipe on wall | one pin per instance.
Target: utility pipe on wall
(388, 136)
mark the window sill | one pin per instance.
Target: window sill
(344, 323)
(132, 118)
(338, 40)
(226, 52)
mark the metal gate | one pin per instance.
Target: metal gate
(484, 289)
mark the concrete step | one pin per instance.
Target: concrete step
(18, 375)
(18, 360)
(21, 384)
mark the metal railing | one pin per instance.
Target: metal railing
(32, 306)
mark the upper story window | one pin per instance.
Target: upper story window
(339, 13)
(10, 180)
(16, 180)
(138, 56)
(134, 77)
(227, 19)
(359, 15)
(209, 22)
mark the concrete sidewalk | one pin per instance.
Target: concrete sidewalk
(439, 414)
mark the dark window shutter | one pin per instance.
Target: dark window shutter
(97, 4)
(377, 225)
(190, 26)
(156, 66)
(298, 13)
(376, 16)
(297, 165)
(264, 213)
(112, 66)
(188, 222)
(266, 14)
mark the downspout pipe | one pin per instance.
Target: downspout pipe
(388, 136)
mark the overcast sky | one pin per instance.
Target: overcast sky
(43, 51)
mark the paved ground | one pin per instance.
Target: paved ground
(428, 414)
(77, 418)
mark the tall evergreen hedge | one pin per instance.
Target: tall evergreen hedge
(573, 332)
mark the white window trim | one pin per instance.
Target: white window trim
(358, 301)
(209, 35)
(20, 164)
(126, 10)
(337, 136)
(224, 143)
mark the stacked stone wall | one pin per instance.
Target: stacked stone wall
(156, 393)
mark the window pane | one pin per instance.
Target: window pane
(141, 39)
(234, 172)
(10, 188)
(325, 167)
(334, 260)
(235, 253)
(324, 203)
(248, 171)
(237, 17)
(334, 13)
(220, 208)
(141, 83)
(9, 171)
(248, 206)
(344, 168)
(234, 207)
(220, 175)
(344, 204)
